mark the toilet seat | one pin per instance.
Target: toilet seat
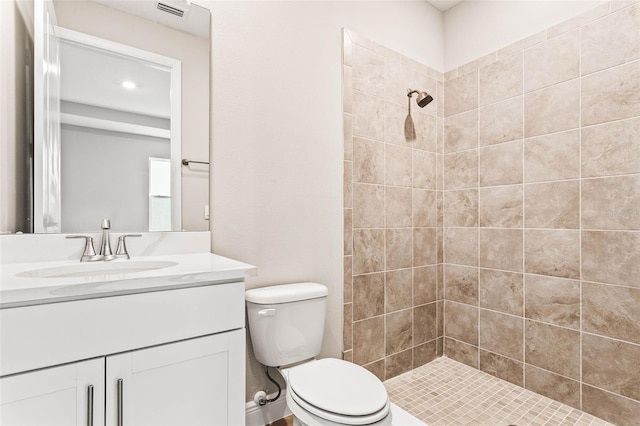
(338, 391)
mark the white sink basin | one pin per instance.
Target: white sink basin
(104, 269)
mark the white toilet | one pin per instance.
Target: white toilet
(286, 323)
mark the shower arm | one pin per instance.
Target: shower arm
(411, 92)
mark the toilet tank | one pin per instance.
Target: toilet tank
(286, 322)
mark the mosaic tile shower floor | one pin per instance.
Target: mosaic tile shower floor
(446, 392)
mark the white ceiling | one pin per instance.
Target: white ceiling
(444, 5)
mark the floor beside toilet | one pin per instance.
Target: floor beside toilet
(446, 392)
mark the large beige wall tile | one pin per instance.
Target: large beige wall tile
(368, 161)
(501, 122)
(400, 76)
(501, 80)
(426, 130)
(501, 291)
(609, 406)
(553, 109)
(553, 386)
(348, 232)
(461, 94)
(501, 164)
(611, 257)
(347, 92)
(424, 323)
(347, 189)
(501, 333)
(578, 21)
(502, 367)
(424, 246)
(553, 348)
(397, 165)
(368, 250)
(461, 131)
(613, 94)
(612, 40)
(461, 352)
(397, 364)
(347, 123)
(348, 279)
(398, 243)
(424, 169)
(368, 71)
(554, 61)
(397, 207)
(501, 249)
(398, 290)
(424, 353)
(552, 157)
(424, 284)
(611, 365)
(501, 206)
(461, 246)
(368, 296)
(552, 204)
(368, 116)
(522, 44)
(461, 322)
(347, 326)
(553, 300)
(368, 206)
(399, 125)
(461, 284)
(461, 208)
(611, 203)
(611, 311)
(399, 331)
(611, 149)
(368, 340)
(552, 252)
(461, 170)
(424, 208)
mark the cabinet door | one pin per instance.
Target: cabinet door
(72, 394)
(193, 382)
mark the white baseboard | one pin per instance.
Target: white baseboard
(261, 416)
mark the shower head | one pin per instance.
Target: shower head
(423, 98)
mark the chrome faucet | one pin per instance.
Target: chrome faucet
(105, 253)
(105, 245)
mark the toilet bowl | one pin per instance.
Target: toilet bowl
(286, 324)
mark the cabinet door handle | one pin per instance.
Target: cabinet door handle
(120, 387)
(90, 405)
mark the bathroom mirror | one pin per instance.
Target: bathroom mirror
(120, 123)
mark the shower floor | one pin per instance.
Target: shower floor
(446, 392)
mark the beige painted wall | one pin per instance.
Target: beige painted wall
(277, 135)
(111, 24)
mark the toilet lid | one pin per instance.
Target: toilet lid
(339, 387)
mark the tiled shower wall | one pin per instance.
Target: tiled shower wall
(542, 213)
(392, 301)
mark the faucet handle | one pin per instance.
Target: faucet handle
(89, 252)
(121, 249)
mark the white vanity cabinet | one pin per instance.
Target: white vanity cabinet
(171, 357)
(71, 394)
(186, 383)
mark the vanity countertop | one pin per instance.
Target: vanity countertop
(35, 283)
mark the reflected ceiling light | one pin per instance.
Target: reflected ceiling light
(129, 85)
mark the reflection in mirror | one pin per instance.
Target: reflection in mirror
(95, 123)
(117, 105)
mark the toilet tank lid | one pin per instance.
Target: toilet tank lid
(285, 293)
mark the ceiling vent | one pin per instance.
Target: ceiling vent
(164, 7)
